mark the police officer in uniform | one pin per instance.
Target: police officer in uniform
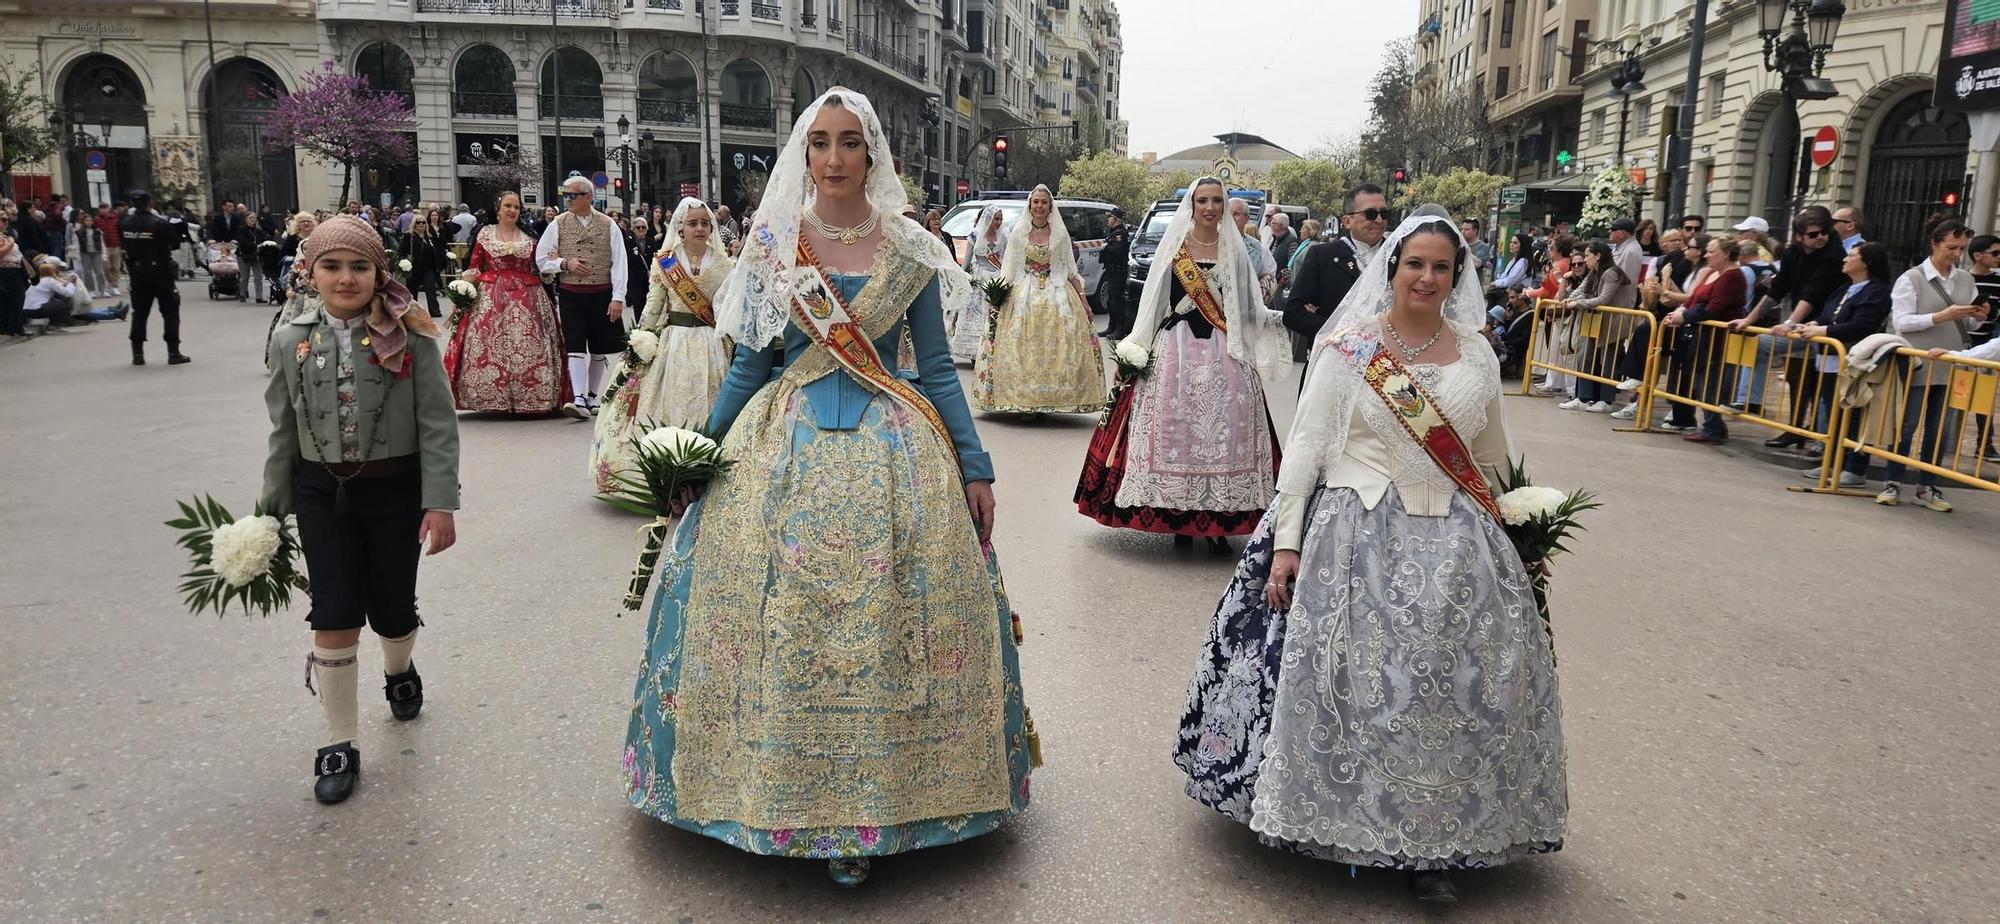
(1115, 258)
(149, 245)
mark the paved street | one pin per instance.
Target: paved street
(1779, 707)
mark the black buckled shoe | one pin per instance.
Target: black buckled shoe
(335, 771)
(405, 692)
(1433, 885)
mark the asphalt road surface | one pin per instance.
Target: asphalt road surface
(1779, 707)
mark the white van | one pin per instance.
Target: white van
(1087, 221)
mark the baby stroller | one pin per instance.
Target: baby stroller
(224, 276)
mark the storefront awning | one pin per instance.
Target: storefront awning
(1575, 182)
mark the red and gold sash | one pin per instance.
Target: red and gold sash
(824, 316)
(683, 284)
(1421, 417)
(1197, 288)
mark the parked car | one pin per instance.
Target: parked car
(1147, 233)
(1086, 219)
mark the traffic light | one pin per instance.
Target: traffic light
(1951, 199)
(618, 187)
(1000, 157)
(1398, 175)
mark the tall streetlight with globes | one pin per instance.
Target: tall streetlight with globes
(1798, 55)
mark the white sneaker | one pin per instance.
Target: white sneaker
(1630, 385)
(1892, 494)
(1573, 404)
(1628, 412)
(1598, 407)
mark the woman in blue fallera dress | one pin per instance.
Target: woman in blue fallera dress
(830, 666)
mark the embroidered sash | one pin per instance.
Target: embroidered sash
(824, 316)
(690, 292)
(1197, 288)
(1420, 416)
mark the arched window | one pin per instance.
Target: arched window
(803, 92)
(102, 99)
(572, 74)
(388, 70)
(667, 94)
(239, 97)
(746, 96)
(482, 83)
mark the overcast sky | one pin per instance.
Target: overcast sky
(1293, 71)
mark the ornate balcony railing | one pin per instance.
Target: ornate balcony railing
(876, 49)
(663, 4)
(732, 8)
(670, 111)
(770, 12)
(482, 104)
(572, 9)
(573, 107)
(759, 118)
(807, 19)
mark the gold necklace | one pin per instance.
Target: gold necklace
(844, 235)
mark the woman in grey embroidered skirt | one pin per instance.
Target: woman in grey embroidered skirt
(1398, 707)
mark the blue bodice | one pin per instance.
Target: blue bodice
(837, 400)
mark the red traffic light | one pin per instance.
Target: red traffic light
(618, 184)
(1399, 175)
(1951, 200)
(1000, 145)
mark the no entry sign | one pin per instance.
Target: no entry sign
(1825, 146)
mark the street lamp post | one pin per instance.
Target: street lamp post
(1626, 81)
(1798, 57)
(627, 155)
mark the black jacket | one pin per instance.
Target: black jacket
(1116, 257)
(1809, 277)
(426, 258)
(1325, 274)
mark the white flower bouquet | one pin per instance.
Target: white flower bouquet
(268, 245)
(672, 462)
(1540, 521)
(462, 293)
(1133, 360)
(405, 265)
(644, 345)
(251, 561)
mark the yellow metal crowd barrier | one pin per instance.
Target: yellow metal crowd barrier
(1915, 412)
(1923, 415)
(1604, 345)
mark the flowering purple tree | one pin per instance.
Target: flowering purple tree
(338, 119)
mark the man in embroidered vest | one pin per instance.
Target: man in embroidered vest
(585, 248)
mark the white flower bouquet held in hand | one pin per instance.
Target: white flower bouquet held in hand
(405, 265)
(644, 345)
(461, 292)
(673, 463)
(1133, 360)
(1540, 521)
(252, 561)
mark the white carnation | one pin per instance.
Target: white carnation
(1525, 503)
(645, 344)
(1132, 354)
(674, 442)
(242, 550)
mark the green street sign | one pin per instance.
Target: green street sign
(1513, 197)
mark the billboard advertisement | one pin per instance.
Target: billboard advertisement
(1969, 68)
